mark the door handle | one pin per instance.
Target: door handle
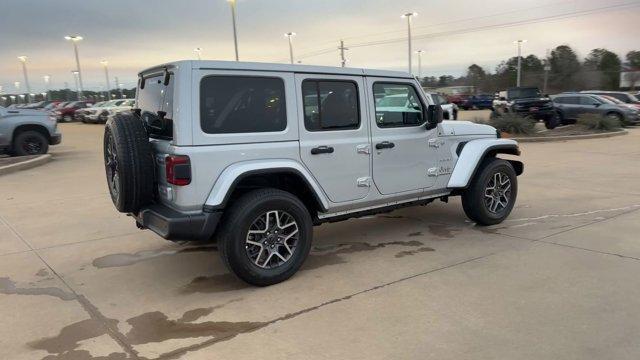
(322, 150)
(385, 145)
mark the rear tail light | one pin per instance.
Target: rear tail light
(178, 169)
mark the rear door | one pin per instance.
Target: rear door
(334, 134)
(404, 151)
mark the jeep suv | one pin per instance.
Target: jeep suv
(527, 102)
(254, 155)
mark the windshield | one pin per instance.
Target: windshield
(523, 93)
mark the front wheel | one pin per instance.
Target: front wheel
(492, 193)
(552, 121)
(265, 236)
(30, 143)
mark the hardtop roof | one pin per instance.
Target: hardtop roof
(260, 66)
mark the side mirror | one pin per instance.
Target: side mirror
(597, 104)
(434, 116)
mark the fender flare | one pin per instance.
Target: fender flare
(233, 174)
(472, 153)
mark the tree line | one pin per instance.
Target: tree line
(601, 70)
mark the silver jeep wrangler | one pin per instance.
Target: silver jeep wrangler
(255, 154)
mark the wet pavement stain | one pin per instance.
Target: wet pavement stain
(85, 355)
(442, 231)
(402, 254)
(70, 336)
(9, 287)
(42, 272)
(327, 255)
(153, 327)
(213, 284)
(417, 233)
(117, 260)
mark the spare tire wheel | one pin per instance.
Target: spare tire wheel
(129, 163)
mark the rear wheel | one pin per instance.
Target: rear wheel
(492, 193)
(265, 236)
(30, 143)
(552, 121)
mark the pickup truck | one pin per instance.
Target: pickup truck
(27, 132)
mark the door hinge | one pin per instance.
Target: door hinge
(363, 149)
(364, 182)
(436, 143)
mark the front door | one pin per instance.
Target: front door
(334, 141)
(404, 151)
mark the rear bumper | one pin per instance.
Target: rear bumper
(175, 225)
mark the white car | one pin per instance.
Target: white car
(449, 109)
(102, 112)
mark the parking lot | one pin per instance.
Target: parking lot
(557, 280)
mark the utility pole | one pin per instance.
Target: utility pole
(343, 60)
(519, 75)
(76, 76)
(547, 68)
(47, 79)
(410, 52)
(74, 39)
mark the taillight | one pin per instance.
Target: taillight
(178, 169)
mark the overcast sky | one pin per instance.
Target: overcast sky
(133, 35)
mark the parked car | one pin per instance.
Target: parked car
(258, 154)
(449, 109)
(67, 113)
(457, 99)
(622, 96)
(570, 106)
(81, 114)
(51, 106)
(528, 102)
(620, 102)
(107, 110)
(27, 131)
(479, 102)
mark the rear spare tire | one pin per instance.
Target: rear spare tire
(128, 160)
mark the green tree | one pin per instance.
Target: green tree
(445, 80)
(608, 65)
(565, 68)
(476, 76)
(633, 58)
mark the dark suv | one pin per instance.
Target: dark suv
(527, 102)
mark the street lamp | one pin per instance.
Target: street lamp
(105, 63)
(232, 3)
(408, 16)
(23, 60)
(519, 76)
(76, 77)
(47, 80)
(16, 84)
(290, 35)
(420, 52)
(75, 39)
(198, 52)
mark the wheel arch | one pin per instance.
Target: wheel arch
(286, 175)
(30, 127)
(472, 153)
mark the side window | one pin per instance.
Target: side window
(397, 105)
(242, 104)
(588, 100)
(571, 100)
(330, 105)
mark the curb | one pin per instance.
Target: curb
(570, 137)
(42, 159)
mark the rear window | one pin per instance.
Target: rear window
(155, 101)
(242, 104)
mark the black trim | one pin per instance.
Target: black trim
(384, 209)
(495, 149)
(55, 139)
(174, 225)
(307, 72)
(212, 208)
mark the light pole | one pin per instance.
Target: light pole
(16, 84)
(105, 63)
(23, 60)
(75, 39)
(420, 52)
(47, 80)
(232, 3)
(76, 77)
(198, 52)
(519, 75)
(290, 35)
(408, 16)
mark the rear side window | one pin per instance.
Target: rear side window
(242, 104)
(330, 105)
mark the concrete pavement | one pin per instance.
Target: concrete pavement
(556, 280)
